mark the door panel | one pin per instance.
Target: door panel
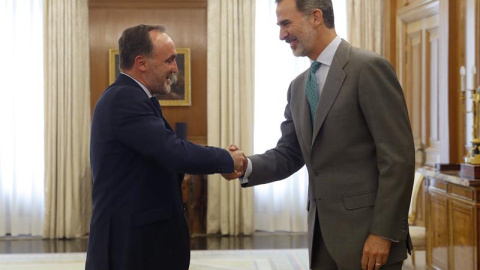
(437, 253)
(418, 58)
(463, 235)
(432, 113)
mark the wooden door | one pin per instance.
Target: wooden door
(419, 71)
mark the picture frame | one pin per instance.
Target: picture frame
(181, 91)
(113, 66)
(180, 94)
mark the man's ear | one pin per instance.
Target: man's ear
(141, 63)
(317, 17)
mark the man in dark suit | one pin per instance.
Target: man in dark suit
(138, 162)
(347, 121)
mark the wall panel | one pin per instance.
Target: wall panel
(186, 23)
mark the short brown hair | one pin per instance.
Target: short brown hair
(136, 41)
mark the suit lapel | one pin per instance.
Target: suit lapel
(332, 86)
(124, 79)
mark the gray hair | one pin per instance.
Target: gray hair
(307, 7)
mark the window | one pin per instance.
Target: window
(279, 206)
(21, 117)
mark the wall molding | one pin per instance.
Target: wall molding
(418, 10)
(406, 15)
(149, 5)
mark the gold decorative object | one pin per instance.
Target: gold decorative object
(474, 153)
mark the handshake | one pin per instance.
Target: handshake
(240, 163)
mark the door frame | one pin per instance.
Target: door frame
(411, 13)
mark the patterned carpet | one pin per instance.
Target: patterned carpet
(278, 259)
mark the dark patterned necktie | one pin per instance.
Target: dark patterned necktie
(311, 90)
(157, 105)
(159, 110)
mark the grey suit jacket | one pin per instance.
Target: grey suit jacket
(359, 155)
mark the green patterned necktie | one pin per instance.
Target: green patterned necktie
(311, 90)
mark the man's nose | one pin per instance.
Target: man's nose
(283, 34)
(175, 67)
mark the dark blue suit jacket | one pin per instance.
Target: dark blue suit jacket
(138, 162)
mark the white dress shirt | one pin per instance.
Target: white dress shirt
(141, 85)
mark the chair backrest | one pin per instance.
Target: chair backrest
(417, 184)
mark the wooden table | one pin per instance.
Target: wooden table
(452, 224)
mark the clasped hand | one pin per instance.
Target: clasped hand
(239, 161)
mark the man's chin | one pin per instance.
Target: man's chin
(168, 89)
(165, 91)
(298, 52)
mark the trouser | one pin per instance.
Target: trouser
(322, 260)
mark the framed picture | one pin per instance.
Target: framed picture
(180, 94)
(113, 66)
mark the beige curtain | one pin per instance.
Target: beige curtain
(230, 108)
(67, 119)
(365, 23)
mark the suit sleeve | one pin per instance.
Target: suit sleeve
(138, 127)
(383, 105)
(283, 160)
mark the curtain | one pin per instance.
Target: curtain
(230, 108)
(279, 206)
(365, 23)
(67, 119)
(21, 118)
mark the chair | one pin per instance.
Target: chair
(417, 233)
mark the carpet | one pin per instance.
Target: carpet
(277, 259)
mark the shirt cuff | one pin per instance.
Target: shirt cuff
(244, 179)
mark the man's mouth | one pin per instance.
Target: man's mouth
(292, 41)
(171, 79)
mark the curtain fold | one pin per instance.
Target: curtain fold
(67, 119)
(365, 22)
(230, 108)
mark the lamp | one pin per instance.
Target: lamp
(471, 167)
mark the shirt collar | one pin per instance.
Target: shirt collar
(141, 85)
(326, 57)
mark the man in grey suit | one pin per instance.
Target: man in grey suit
(347, 121)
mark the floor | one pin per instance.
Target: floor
(9, 245)
(19, 245)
